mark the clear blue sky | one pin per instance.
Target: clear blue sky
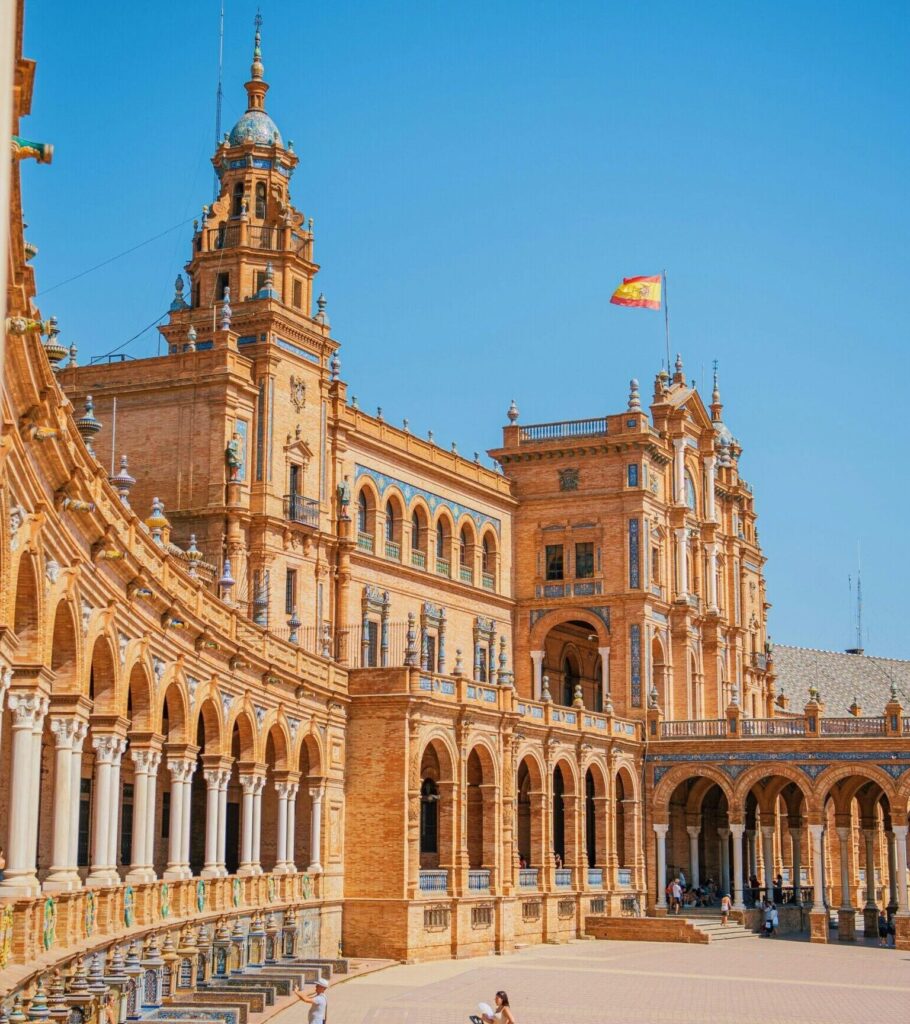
(482, 174)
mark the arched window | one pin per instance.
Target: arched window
(237, 207)
(362, 510)
(390, 521)
(260, 200)
(440, 540)
(569, 681)
(416, 539)
(690, 492)
(429, 817)
(489, 558)
(463, 546)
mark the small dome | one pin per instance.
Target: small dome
(255, 126)
(723, 432)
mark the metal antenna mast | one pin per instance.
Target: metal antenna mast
(220, 94)
(859, 600)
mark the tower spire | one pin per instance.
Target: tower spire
(717, 408)
(256, 87)
(257, 68)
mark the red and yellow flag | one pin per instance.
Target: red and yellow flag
(645, 292)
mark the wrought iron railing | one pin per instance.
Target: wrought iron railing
(299, 509)
(434, 881)
(565, 428)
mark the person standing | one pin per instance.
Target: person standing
(676, 892)
(317, 1002)
(726, 905)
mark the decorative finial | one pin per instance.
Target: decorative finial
(893, 690)
(545, 694)
(87, 425)
(53, 349)
(653, 697)
(294, 627)
(378, 412)
(157, 521)
(322, 316)
(430, 436)
(679, 364)
(634, 396)
(73, 351)
(179, 302)
(226, 582)
(477, 457)
(354, 404)
(226, 311)
(716, 405)
(256, 71)
(267, 291)
(578, 700)
(406, 425)
(512, 412)
(454, 448)
(193, 555)
(123, 481)
(459, 664)
(191, 339)
(335, 367)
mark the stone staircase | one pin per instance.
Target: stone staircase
(707, 921)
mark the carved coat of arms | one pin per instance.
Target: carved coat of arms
(568, 479)
(298, 393)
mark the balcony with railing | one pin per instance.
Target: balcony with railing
(299, 509)
(773, 726)
(853, 726)
(489, 581)
(594, 427)
(595, 878)
(708, 728)
(527, 878)
(393, 550)
(419, 558)
(443, 567)
(257, 236)
(364, 541)
(563, 878)
(466, 574)
(478, 880)
(434, 881)
(809, 726)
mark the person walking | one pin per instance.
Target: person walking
(882, 928)
(726, 905)
(317, 1002)
(676, 893)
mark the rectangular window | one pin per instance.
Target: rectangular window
(222, 281)
(482, 665)
(584, 560)
(294, 479)
(260, 428)
(655, 565)
(632, 474)
(85, 818)
(431, 653)
(554, 562)
(260, 281)
(298, 294)
(372, 644)
(290, 591)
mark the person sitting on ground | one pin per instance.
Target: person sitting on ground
(502, 1014)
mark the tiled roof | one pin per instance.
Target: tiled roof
(840, 677)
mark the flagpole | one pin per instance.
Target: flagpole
(667, 320)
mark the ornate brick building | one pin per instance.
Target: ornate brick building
(300, 662)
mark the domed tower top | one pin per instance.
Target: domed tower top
(255, 125)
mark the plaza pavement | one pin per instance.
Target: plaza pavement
(750, 981)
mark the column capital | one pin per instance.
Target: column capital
(181, 769)
(843, 833)
(661, 830)
(316, 794)
(768, 831)
(818, 830)
(694, 831)
(900, 832)
(869, 834)
(283, 789)
(69, 730)
(28, 708)
(145, 759)
(738, 829)
(723, 833)
(108, 747)
(212, 777)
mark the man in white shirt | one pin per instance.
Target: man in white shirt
(317, 1002)
(676, 893)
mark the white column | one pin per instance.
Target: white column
(694, 832)
(816, 833)
(212, 795)
(107, 748)
(148, 856)
(257, 824)
(292, 826)
(712, 576)
(316, 830)
(892, 871)
(113, 822)
(281, 852)
(682, 564)
(797, 867)
(900, 835)
(661, 832)
(869, 836)
(604, 653)
(76, 791)
(27, 711)
(537, 662)
(679, 469)
(752, 844)
(63, 874)
(844, 835)
(185, 827)
(178, 769)
(724, 836)
(710, 513)
(248, 785)
(222, 820)
(140, 813)
(35, 799)
(767, 853)
(737, 833)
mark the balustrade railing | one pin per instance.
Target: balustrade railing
(707, 728)
(364, 541)
(596, 426)
(595, 878)
(563, 878)
(419, 558)
(393, 550)
(465, 574)
(624, 878)
(527, 878)
(853, 726)
(434, 881)
(489, 582)
(443, 567)
(773, 726)
(479, 880)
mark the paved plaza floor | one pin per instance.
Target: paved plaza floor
(752, 981)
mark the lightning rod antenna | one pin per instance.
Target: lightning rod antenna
(220, 94)
(859, 600)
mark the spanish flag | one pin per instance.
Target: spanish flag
(645, 292)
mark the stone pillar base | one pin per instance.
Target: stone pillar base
(902, 931)
(818, 925)
(870, 922)
(661, 911)
(173, 874)
(140, 876)
(846, 924)
(245, 870)
(21, 885)
(62, 881)
(210, 871)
